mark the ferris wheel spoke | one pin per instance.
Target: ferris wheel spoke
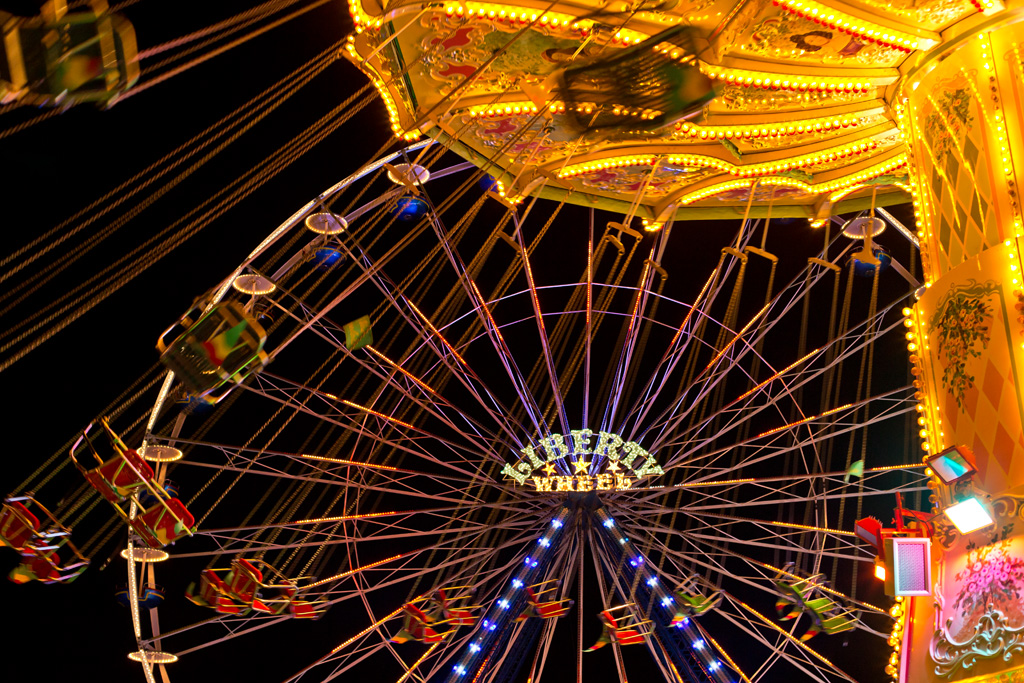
(229, 545)
(301, 392)
(395, 475)
(468, 378)
(556, 390)
(599, 562)
(420, 394)
(334, 654)
(707, 379)
(808, 655)
(791, 545)
(618, 583)
(798, 287)
(373, 271)
(484, 316)
(350, 661)
(431, 400)
(761, 573)
(332, 414)
(896, 408)
(385, 518)
(242, 627)
(674, 353)
(892, 403)
(854, 341)
(748, 412)
(633, 327)
(872, 480)
(239, 626)
(460, 556)
(774, 647)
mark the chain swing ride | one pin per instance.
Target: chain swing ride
(509, 413)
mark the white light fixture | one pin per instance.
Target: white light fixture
(969, 515)
(911, 566)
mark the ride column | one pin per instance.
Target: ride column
(961, 109)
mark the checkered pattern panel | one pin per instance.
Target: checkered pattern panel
(959, 165)
(989, 416)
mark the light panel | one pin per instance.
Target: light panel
(968, 516)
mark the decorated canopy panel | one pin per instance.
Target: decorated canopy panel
(797, 117)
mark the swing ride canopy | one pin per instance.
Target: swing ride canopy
(800, 113)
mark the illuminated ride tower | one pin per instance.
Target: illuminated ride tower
(960, 109)
(820, 108)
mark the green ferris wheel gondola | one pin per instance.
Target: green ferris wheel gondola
(225, 345)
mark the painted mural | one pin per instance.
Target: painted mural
(972, 357)
(961, 332)
(980, 601)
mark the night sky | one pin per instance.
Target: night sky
(59, 165)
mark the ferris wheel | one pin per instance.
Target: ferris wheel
(466, 442)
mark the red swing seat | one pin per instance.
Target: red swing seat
(159, 525)
(18, 526)
(416, 626)
(303, 609)
(120, 476)
(45, 565)
(244, 583)
(213, 593)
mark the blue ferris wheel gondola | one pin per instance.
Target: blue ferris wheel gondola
(193, 405)
(410, 209)
(868, 269)
(326, 258)
(150, 597)
(489, 183)
(146, 498)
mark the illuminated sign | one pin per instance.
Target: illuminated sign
(562, 460)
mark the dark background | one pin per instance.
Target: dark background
(57, 166)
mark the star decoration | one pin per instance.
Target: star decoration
(549, 469)
(581, 466)
(613, 466)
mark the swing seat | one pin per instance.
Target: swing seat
(552, 610)
(416, 625)
(303, 609)
(285, 601)
(80, 57)
(618, 631)
(643, 78)
(444, 606)
(212, 593)
(460, 617)
(159, 524)
(826, 614)
(695, 604)
(244, 580)
(544, 610)
(119, 476)
(838, 624)
(46, 566)
(18, 526)
(628, 637)
(224, 345)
